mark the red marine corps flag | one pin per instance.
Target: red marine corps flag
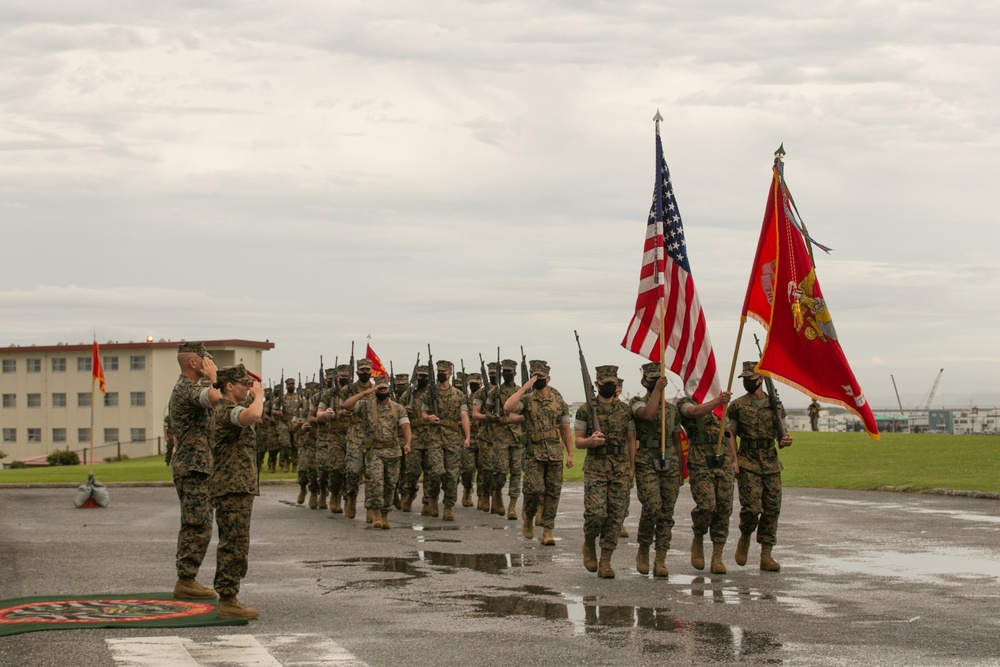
(669, 325)
(377, 367)
(784, 295)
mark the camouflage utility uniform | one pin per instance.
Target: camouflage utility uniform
(233, 484)
(420, 459)
(711, 478)
(509, 452)
(191, 465)
(607, 469)
(657, 474)
(446, 439)
(383, 445)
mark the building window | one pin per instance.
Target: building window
(10, 400)
(59, 400)
(34, 365)
(138, 399)
(34, 435)
(83, 435)
(10, 365)
(137, 362)
(110, 363)
(110, 435)
(111, 399)
(83, 399)
(138, 434)
(58, 364)
(34, 400)
(84, 364)
(10, 435)
(58, 435)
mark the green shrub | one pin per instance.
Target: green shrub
(63, 457)
(18, 464)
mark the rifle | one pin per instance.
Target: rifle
(413, 384)
(772, 399)
(465, 380)
(498, 404)
(350, 374)
(322, 380)
(482, 371)
(281, 395)
(433, 402)
(588, 385)
(300, 391)
(392, 381)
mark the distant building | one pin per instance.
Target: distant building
(46, 392)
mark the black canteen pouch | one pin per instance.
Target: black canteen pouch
(661, 464)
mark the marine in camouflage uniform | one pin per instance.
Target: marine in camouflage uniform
(447, 436)
(384, 421)
(814, 409)
(751, 418)
(318, 480)
(267, 432)
(710, 476)
(331, 434)
(285, 410)
(419, 460)
(657, 471)
(547, 425)
(607, 470)
(306, 441)
(234, 483)
(190, 403)
(509, 450)
(472, 463)
(400, 383)
(482, 435)
(354, 460)
(469, 454)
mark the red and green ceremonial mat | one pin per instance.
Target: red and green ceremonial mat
(143, 610)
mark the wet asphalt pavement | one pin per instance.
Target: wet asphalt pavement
(867, 578)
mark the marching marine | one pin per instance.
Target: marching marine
(607, 470)
(752, 418)
(657, 469)
(448, 436)
(547, 425)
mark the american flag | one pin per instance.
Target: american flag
(665, 278)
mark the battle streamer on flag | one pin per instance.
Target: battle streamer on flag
(669, 324)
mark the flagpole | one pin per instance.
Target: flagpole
(662, 307)
(92, 396)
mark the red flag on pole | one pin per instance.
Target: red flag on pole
(667, 295)
(784, 295)
(97, 370)
(377, 367)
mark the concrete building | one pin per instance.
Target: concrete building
(46, 392)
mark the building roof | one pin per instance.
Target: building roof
(131, 345)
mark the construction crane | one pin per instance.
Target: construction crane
(930, 397)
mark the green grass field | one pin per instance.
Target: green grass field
(820, 460)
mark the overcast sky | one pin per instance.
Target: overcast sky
(473, 174)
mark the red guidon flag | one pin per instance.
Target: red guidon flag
(785, 297)
(667, 298)
(97, 370)
(377, 367)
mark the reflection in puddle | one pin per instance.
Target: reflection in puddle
(703, 587)
(422, 527)
(620, 627)
(410, 567)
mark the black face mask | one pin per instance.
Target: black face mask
(473, 387)
(508, 377)
(650, 386)
(493, 378)
(442, 377)
(540, 383)
(608, 389)
(343, 382)
(421, 383)
(364, 377)
(751, 385)
(382, 395)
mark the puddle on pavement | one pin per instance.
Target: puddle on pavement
(422, 527)
(621, 627)
(410, 567)
(422, 540)
(705, 587)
